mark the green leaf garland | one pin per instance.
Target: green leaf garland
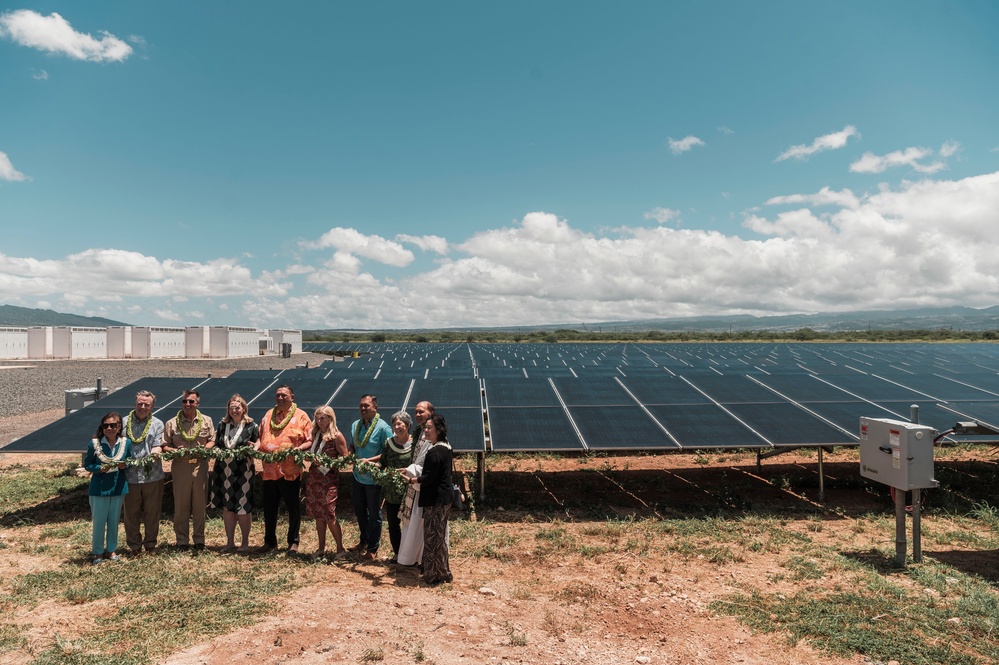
(383, 477)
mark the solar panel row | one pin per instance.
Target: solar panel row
(535, 397)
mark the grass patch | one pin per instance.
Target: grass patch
(940, 617)
(480, 540)
(162, 603)
(41, 491)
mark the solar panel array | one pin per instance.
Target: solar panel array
(613, 397)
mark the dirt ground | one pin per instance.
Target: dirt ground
(551, 608)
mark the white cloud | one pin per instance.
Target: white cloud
(109, 274)
(662, 215)
(169, 315)
(949, 149)
(684, 144)
(8, 172)
(925, 243)
(375, 248)
(725, 130)
(911, 157)
(832, 141)
(824, 197)
(435, 244)
(40, 75)
(54, 34)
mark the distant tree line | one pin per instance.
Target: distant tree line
(570, 335)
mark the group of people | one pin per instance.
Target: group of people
(128, 478)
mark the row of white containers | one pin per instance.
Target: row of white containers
(65, 342)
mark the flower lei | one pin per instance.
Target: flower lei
(117, 451)
(198, 420)
(229, 440)
(367, 437)
(401, 450)
(128, 427)
(283, 423)
(317, 448)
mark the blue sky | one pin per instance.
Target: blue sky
(419, 165)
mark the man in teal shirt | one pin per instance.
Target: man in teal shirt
(366, 439)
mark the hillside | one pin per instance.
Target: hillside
(11, 315)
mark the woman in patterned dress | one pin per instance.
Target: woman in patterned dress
(232, 480)
(322, 483)
(435, 499)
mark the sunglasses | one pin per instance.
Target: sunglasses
(110, 425)
(190, 401)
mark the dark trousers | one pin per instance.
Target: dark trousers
(276, 491)
(394, 524)
(368, 509)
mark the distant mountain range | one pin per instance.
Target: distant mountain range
(22, 317)
(957, 318)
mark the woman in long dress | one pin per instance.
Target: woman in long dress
(232, 480)
(411, 542)
(436, 495)
(322, 484)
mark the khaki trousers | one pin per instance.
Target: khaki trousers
(143, 505)
(190, 485)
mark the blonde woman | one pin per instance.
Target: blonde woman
(322, 483)
(232, 480)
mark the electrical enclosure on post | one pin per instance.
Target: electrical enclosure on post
(897, 453)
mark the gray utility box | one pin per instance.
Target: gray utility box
(897, 453)
(81, 397)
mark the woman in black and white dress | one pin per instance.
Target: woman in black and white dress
(232, 480)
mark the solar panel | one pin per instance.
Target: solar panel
(619, 428)
(788, 425)
(520, 392)
(532, 429)
(165, 389)
(448, 393)
(597, 391)
(704, 426)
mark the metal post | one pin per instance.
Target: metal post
(482, 476)
(100, 384)
(917, 546)
(900, 526)
(914, 414)
(822, 479)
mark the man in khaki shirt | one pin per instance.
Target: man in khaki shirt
(189, 429)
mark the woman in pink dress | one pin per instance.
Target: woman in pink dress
(322, 483)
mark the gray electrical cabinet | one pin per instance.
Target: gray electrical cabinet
(81, 397)
(897, 453)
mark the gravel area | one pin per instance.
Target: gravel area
(34, 386)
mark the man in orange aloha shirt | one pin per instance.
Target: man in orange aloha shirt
(285, 427)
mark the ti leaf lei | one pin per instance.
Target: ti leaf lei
(198, 420)
(358, 443)
(284, 423)
(128, 427)
(383, 477)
